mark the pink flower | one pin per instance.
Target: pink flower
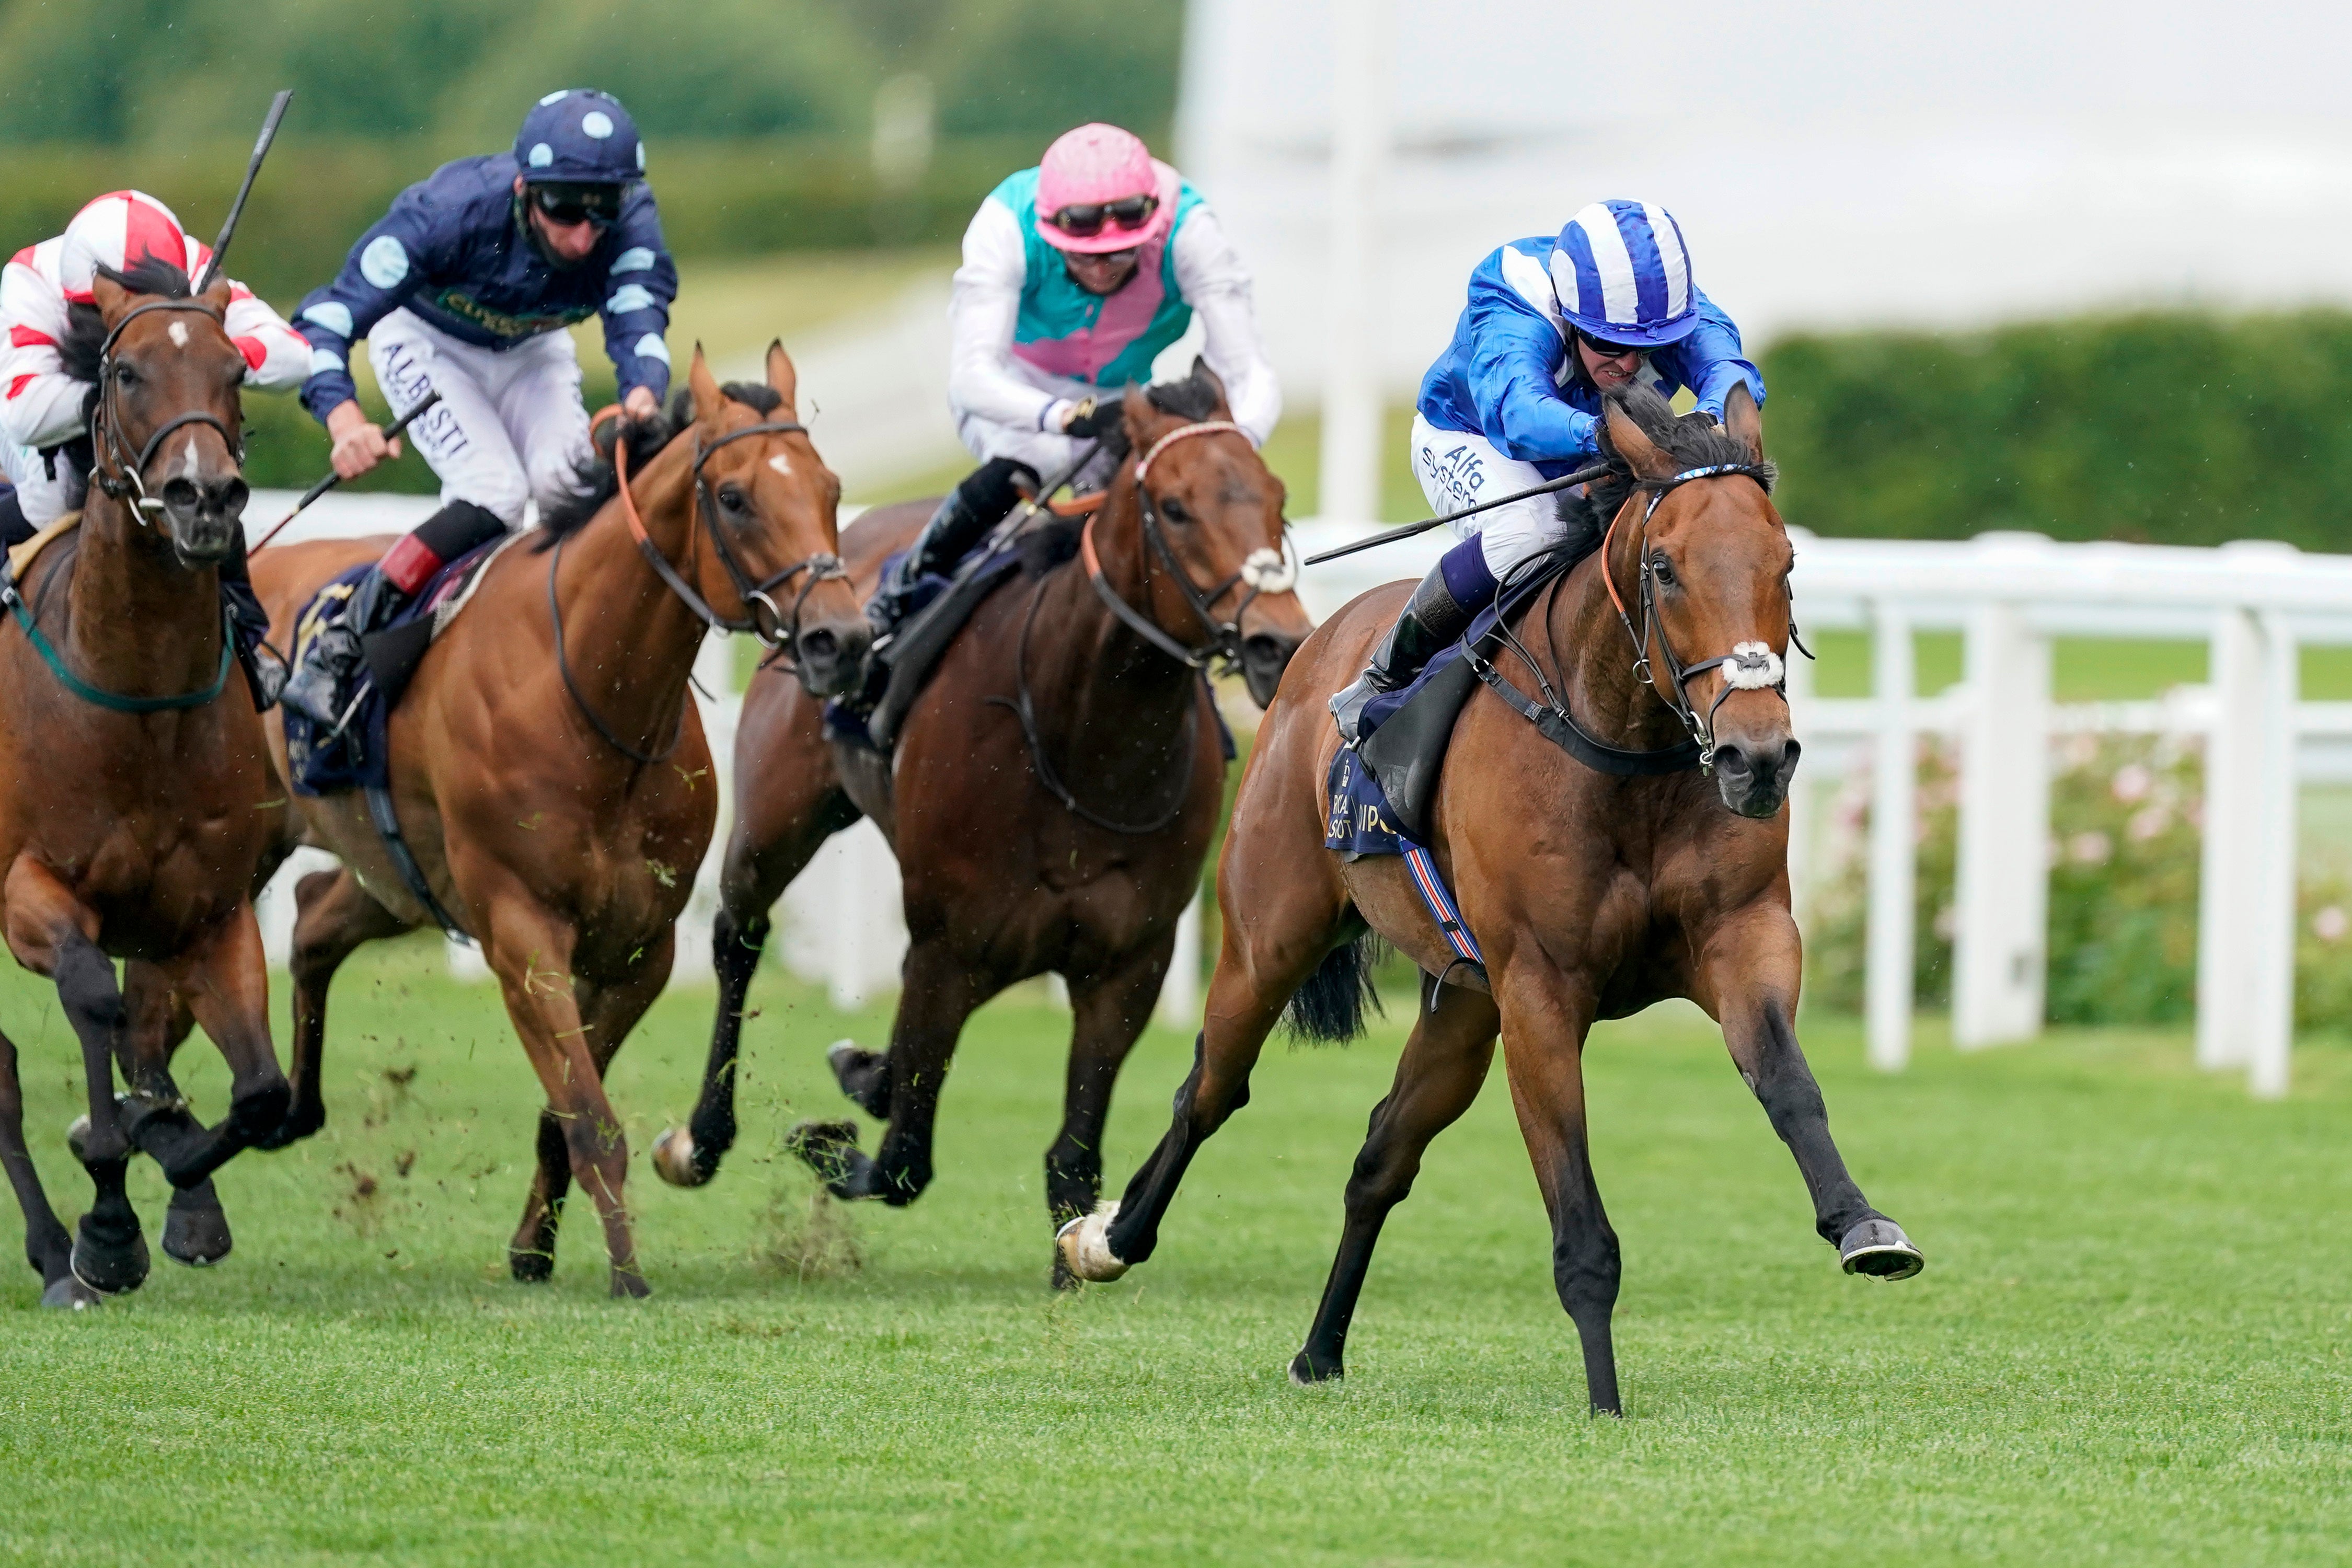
(2149, 822)
(2132, 782)
(2331, 924)
(2090, 848)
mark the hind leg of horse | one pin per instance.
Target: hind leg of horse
(195, 1226)
(1445, 1063)
(938, 994)
(1747, 978)
(47, 1247)
(1544, 1024)
(607, 1014)
(334, 916)
(52, 934)
(753, 878)
(1109, 1012)
(530, 949)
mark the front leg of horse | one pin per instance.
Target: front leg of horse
(688, 1156)
(195, 1228)
(1748, 980)
(938, 992)
(47, 1246)
(1108, 1015)
(225, 982)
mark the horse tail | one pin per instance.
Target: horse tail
(1329, 1009)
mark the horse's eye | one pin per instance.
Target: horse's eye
(1173, 511)
(125, 376)
(733, 501)
(1662, 570)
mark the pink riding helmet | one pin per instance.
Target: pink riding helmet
(1101, 164)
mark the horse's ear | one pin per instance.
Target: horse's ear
(1139, 414)
(1626, 439)
(705, 386)
(1744, 420)
(1215, 382)
(784, 379)
(112, 298)
(218, 295)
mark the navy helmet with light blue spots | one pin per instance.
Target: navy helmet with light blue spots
(579, 136)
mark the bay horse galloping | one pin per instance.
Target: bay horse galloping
(1592, 893)
(1053, 791)
(133, 777)
(548, 765)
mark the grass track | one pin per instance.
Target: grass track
(2130, 1344)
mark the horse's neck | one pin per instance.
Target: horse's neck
(1105, 672)
(629, 639)
(1595, 656)
(138, 622)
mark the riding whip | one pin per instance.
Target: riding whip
(392, 432)
(1598, 470)
(211, 269)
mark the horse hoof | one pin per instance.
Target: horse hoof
(630, 1284)
(68, 1294)
(196, 1228)
(108, 1268)
(1306, 1375)
(1084, 1245)
(674, 1160)
(1878, 1246)
(822, 1146)
(530, 1267)
(850, 1063)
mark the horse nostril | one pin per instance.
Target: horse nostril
(819, 645)
(1732, 762)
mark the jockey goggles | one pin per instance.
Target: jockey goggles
(1084, 220)
(1607, 350)
(566, 203)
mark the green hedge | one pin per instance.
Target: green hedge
(2174, 428)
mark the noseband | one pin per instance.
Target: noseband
(118, 476)
(1263, 571)
(1748, 666)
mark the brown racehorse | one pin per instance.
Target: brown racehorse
(1053, 793)
(1594, 894)
(555, 787)
(132, 770)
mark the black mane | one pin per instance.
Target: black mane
(596, 481)
(86, 329)
(1194, 397)
(1692, 440)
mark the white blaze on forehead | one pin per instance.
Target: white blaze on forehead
(179, 334)
(778, 463)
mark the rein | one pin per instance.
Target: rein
(1263, 571)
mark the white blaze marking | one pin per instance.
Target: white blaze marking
(179, 334)
(778, 463)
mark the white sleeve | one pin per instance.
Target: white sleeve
(276, 356)
(986, 304)
(40, 405)
(1217, 286)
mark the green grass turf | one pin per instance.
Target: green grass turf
(2129, 1346)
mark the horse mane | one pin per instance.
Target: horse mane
(86, 327)
(597, 480)
(1195, 398)
(1692, 440)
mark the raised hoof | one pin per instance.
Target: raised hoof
(1084, 1245)
(109, 1269)
(78, 1138)
(1306, 1375)
(68, 1294)
(299, 1124)
(1879, 1247)
(850, 1064)
(674, 1160)
(630, 1284)
(823, 1147)
(196, 1228)
(530, 1267)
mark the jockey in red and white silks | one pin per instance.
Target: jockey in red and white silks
(41, 402)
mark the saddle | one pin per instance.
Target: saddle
(327, 760)
(939, 607)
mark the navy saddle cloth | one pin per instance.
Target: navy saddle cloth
(359, 757)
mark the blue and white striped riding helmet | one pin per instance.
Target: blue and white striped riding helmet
(1623, 277)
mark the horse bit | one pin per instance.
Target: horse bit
(1265, 570)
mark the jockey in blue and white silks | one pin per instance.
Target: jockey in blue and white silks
(1516, 399)
(1075, 275)
(464, 288)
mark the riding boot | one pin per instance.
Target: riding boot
(265, 673)
(319, 689)
(970, 510)
(1440, 610)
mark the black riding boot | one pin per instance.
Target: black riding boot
(970, 510)
(1432, 617)
(265, 673)
(319, 689)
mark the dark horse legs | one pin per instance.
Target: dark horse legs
(1444, 1062)
(1110, 1012)
(47, 1247)
(939, 994)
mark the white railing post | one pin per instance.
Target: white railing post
(2230, 883)
(2273, 1037)
(1894, 843)
(714, 668)
(1804, 797)
(1179, 993)
(2003, 895)
(1352, 389)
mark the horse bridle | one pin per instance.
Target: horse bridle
(1263, 571)
(1748, 666)
(127, 477)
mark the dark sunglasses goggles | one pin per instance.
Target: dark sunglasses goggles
(1084, 220)
(570, 203)
(1607, 350)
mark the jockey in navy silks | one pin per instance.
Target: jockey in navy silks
(1075, 275)
(464, 288)
(1516, 399)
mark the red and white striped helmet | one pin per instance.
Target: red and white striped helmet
(118, 230)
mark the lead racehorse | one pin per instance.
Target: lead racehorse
(1592, 893)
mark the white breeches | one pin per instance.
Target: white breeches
(45, 499)
(509, 427)
(1458, 470)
